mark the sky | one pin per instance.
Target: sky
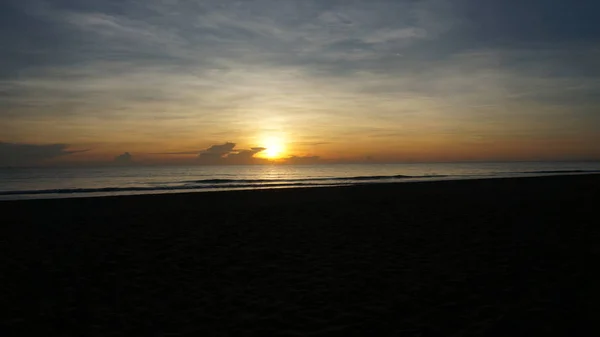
(237, 82)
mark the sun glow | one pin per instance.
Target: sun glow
(274, 148)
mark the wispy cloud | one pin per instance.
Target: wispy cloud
(320, 70)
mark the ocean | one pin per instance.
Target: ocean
(41, 183)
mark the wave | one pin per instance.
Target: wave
(232, 184)
(266, 181)
(144, 189)
(561, 171)
(223, 184)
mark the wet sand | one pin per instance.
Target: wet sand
(498, 257)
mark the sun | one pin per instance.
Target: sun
(274, 148)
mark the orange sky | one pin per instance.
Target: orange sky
(384, 81)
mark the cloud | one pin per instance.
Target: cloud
(219, 150)
(125, 158)
(216, 153)
(245, 156)
(226, 154)
(391, 35)
(17, 154)
(222, 154)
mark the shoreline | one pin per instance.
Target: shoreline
(490, 257)
(53, 196)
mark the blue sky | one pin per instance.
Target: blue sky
(339, 80)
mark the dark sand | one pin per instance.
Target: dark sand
(504, 257)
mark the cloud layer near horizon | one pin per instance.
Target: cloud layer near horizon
(227, 153)
(428, 80)
(18, 154)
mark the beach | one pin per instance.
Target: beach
(493, 257)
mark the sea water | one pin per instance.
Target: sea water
(37, 183)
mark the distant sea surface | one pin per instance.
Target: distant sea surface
(41, 183)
